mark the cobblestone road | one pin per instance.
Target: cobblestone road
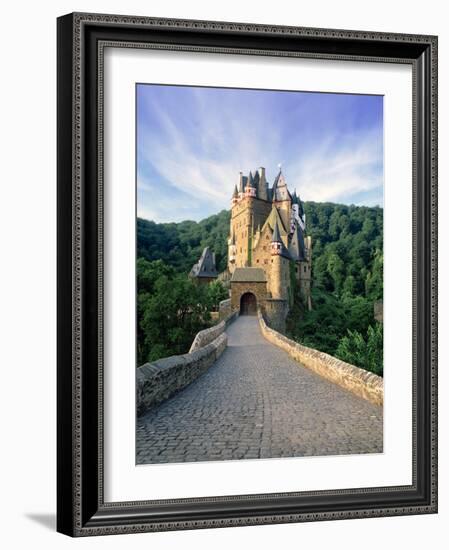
(257, 402)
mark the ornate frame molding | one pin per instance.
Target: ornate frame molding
(81, 41)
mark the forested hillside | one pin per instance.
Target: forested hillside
(180, 244)
(346, 273)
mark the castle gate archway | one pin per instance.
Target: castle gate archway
(248, 304)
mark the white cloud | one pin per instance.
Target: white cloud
(208, 167)
(337, 172)
(226, 139)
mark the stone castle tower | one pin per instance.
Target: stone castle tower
(267, 247)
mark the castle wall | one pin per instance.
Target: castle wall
(259, 289)
(262, 253)
(304, 274)
(253, 248)
(246, 215)
(276, 312)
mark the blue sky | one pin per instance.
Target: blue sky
(192, 142)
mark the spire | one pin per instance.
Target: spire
(251, 189)
(256, 178)
(297, 245)
(280, 191)
(236, 192)
(240, 187)
(301, 207)
(276, 236)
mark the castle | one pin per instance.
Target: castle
(268, 252)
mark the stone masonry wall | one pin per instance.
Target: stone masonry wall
(159, 380)
(206, 336)
(359, 381)
(259, 289)
(224, 307)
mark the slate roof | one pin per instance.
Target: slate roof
(276, 237)
(248, 275)
(297, 245)
(205, 267)
(274, 218)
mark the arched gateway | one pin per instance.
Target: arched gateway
(248, 304)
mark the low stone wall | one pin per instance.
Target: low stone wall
(206, 336)
(159, 380)
(224, 308)
(230, 318)
(359, 381)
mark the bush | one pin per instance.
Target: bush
(365, 352)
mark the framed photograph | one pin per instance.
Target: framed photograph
(247, 278)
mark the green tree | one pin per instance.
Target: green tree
(171, 309)
(216, 292)
(347, 278)
(363, 351)
(172, 315)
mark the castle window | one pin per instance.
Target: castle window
(257, 261)
(305, 269)
(265, 261)
(264, 247)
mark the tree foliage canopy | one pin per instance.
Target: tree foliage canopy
(181, 244)
(171, 309)
(347, 278)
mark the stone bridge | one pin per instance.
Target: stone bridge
(255, 401)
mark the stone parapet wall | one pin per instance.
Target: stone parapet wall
(206, 336)
(276, 313)
(230, 318)
(359, 381)
(159, 380)
(224, 307)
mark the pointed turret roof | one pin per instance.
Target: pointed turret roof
(297, 245)
(205, 267)
(280, 191)
(236, 192)
(276, 236)
(301, 207)
(256, 177)
(277, 178)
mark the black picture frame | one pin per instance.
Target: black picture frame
(81, 510)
